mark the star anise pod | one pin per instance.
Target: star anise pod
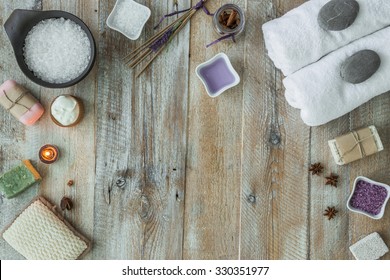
(332, 180)
(66, 203)
(330, 212)
(316, 168)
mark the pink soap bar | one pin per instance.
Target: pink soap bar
(20, 103)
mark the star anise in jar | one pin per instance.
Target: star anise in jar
(330, 212)
(332, 180)
(316, 168)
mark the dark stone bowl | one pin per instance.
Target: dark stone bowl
(20, 22)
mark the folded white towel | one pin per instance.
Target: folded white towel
(296, 40)
(320, 92)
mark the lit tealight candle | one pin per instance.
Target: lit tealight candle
(48, 154)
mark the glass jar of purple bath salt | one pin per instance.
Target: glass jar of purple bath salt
(368, 197)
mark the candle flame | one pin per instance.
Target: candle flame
(48, 154)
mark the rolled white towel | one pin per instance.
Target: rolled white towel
(296, 40)
(320, 92)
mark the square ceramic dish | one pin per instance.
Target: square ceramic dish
(360, 211)
(129, 18)
(217, 75)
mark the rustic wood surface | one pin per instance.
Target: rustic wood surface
(204, 178)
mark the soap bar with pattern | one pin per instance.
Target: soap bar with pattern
(18, 179)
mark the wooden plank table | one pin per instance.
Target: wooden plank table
(223, 178)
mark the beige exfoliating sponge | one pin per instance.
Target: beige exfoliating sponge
(39, 233)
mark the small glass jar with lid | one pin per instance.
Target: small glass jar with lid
(229, 20)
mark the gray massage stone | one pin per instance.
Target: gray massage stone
(360, 66)
(371, 247)
(337, 15)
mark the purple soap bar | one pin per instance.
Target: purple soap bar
(217, 75)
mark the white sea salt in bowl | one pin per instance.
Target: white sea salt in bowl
(129, 18)
(53, 48)
(57, 50)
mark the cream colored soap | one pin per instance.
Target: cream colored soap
(65, 109)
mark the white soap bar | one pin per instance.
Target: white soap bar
(371, 247)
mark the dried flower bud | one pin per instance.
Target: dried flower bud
(66, 203)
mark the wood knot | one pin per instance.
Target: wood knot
(178, 196)
(275, 139)
(120, 182)
(144, 211)
(112, 116)
(251, 199)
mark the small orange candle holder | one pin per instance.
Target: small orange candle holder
(48, 154)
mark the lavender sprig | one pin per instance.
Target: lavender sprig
(159, 41)
(162, 40)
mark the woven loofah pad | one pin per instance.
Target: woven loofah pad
(38, 233)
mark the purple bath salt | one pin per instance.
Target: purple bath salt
(368, 197)
(217, 75)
